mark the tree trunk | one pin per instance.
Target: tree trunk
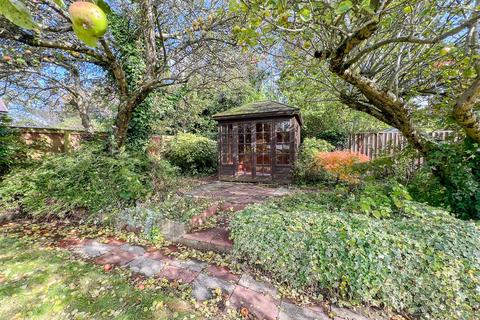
(121, 126)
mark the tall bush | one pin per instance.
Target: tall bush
(193, 154)
(306, 170)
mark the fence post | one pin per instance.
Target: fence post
(66, 142)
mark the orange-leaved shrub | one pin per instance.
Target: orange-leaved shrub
(341, 164)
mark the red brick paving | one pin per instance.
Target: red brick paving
(69, 242)
(261, 306)
(173, 273)
(158, 255)
(223, 273)
(117, 257)
(212, 239)
(201, 218)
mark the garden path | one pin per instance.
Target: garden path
(239, 291)
(232, 197)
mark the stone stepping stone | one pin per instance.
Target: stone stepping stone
(248, 282)
(92, 249)
(192, 265)
(289, 311)
(203, 287)
(148, 267)
(260, 305)
(133, 249)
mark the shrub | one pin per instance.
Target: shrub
(425, 265)
(12, 149)
(341, 164)
(192, 153)
(87, 180)
(461, 165)
(306, 171)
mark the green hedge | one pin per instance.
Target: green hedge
(88, 180)
(192, 153)
(426, 266)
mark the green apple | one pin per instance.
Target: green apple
(89, 21)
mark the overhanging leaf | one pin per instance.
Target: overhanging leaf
(17, 13)
(344, 6)
(60, 3)
(104, 6)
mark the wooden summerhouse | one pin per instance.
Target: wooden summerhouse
(258, 142)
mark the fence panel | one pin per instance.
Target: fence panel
(381, 143)
(53, 140)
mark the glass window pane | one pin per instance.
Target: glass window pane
(266, 137)
(266, 127)
(259, 127)
(259, 159)
(282, 126)
(241, 148)
(267, 159)
(279, 137)
(248, 138)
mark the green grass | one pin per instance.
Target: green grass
(48, 283)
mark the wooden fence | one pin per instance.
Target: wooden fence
(381, 143)
(53, 140)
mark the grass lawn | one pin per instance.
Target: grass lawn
(41, 282)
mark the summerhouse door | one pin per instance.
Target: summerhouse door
(263, 148)
(245, 149)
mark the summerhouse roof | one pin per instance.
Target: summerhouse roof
(260, 109)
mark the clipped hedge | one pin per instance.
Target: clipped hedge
(426, 266)
(192, 153)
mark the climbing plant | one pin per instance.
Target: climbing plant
(130, 47)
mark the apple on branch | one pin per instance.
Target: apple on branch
(89, 22)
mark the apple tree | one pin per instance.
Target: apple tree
(148, 45)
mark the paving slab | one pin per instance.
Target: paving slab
(172, 273)
(193, 265)
(203, 287)
(158, 255)
(146, 266)
(346, 314)
(116, 257)
(223, 273)
(134, 249)
(289, 311)
(92, 249)
(260, 305)
(214, 239)
(248, 282)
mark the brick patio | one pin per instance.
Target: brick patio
(240, 291)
